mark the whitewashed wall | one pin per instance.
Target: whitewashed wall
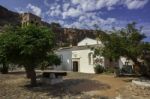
(70, 55)
(122, 61)
(83, 59)
(84, 65)
(66, 59)
(82, 56)
(88, 41)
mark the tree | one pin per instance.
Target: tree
(55, 25)
(28, 46)
(146, 57)
(51, 59)
(3, 59)
(126, 42)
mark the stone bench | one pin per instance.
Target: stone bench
(53, 77)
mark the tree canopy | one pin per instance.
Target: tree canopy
(127, 42)
(27, 46)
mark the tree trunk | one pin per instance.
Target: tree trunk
(30, 73)
(27, 73)
(33, 77)
(136, 67)
(4, 69)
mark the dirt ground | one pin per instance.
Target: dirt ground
(75, 85)
(113, 83)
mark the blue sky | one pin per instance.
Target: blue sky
(85, 13)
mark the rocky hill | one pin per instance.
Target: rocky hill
(70, 36)
(64, 36)
(9, 17)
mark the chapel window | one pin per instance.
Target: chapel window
(90, 58)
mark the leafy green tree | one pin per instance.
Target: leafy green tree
(127, 42)
(55, 25)
(52, 59)
(146, 57)
(3, 59)
(28, 46)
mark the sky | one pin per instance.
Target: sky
(85, 14)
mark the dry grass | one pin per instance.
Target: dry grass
(75, 85)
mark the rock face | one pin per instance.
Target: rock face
(70, 36)
(64, 36)
(9, 17)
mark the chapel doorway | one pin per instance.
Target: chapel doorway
(75, 66)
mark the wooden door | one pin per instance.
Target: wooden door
(75, 66)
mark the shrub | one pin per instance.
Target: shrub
(127, 69)
(145, 70)
(98, 69)
(117, 72)
(109, 70)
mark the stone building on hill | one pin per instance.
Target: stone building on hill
(29, 18)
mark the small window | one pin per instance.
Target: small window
(90, 58)
(32, 22)
(61, 57)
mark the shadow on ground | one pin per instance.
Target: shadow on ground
(70, 87)
(17, 72)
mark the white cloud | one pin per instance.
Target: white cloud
(90, 5)
(66, 6)
(88, 21)
(19, 10)
(86, 13)
(135, 4)
(81, 18)
(34, 9)
(76, 1)
(46, 3)
(75, 8)
(54, 11)
(72, 12)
